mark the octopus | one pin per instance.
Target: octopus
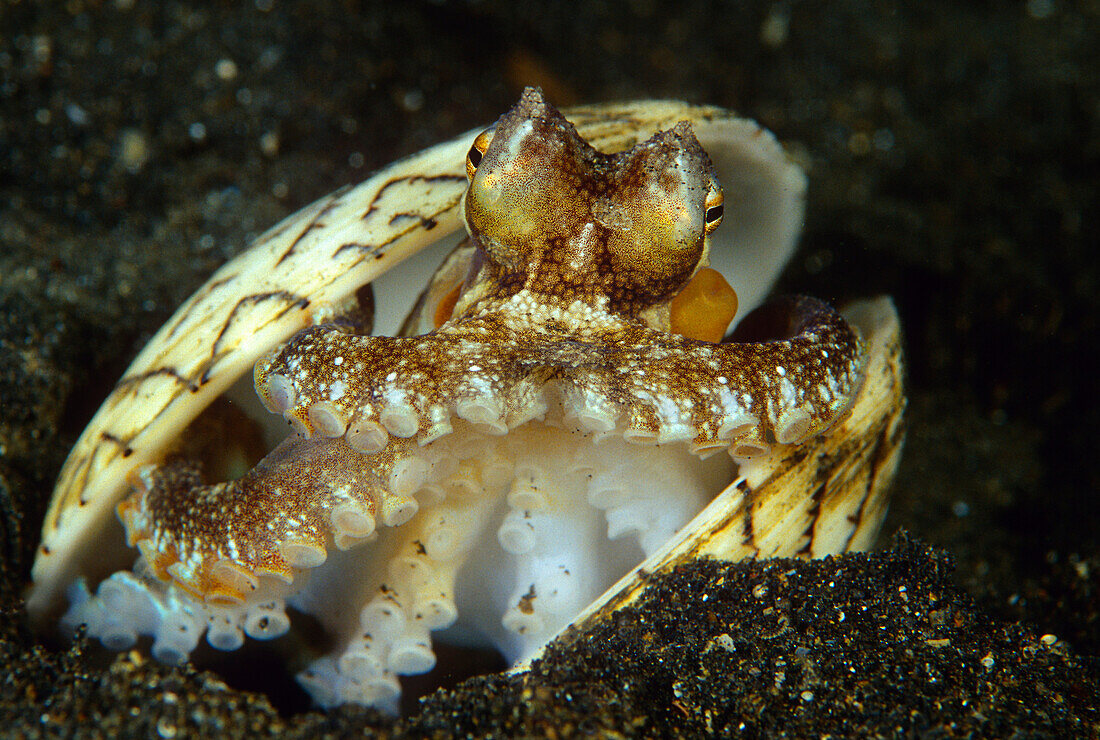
(563, 409)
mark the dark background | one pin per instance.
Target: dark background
(953, 152)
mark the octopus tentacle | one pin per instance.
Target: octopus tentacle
(129, 604)
(406, 387)
(405, 592)
(657, 387)
(218, 541)
(745, 396)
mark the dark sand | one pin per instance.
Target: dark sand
(952, 154)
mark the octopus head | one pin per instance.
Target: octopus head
(552, 216)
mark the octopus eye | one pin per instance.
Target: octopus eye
(714, 208)
(477, 151)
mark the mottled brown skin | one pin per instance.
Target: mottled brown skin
(553, 216)
(563, 317)
(244, 521)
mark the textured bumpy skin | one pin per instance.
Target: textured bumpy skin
(560, 421)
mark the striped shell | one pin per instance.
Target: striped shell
(823, 496)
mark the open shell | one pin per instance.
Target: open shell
(819, 499)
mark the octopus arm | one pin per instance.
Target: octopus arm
(370, 390)
(792, 376)
(216, 541)
(793, 379)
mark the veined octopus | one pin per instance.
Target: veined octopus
(561, 407)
